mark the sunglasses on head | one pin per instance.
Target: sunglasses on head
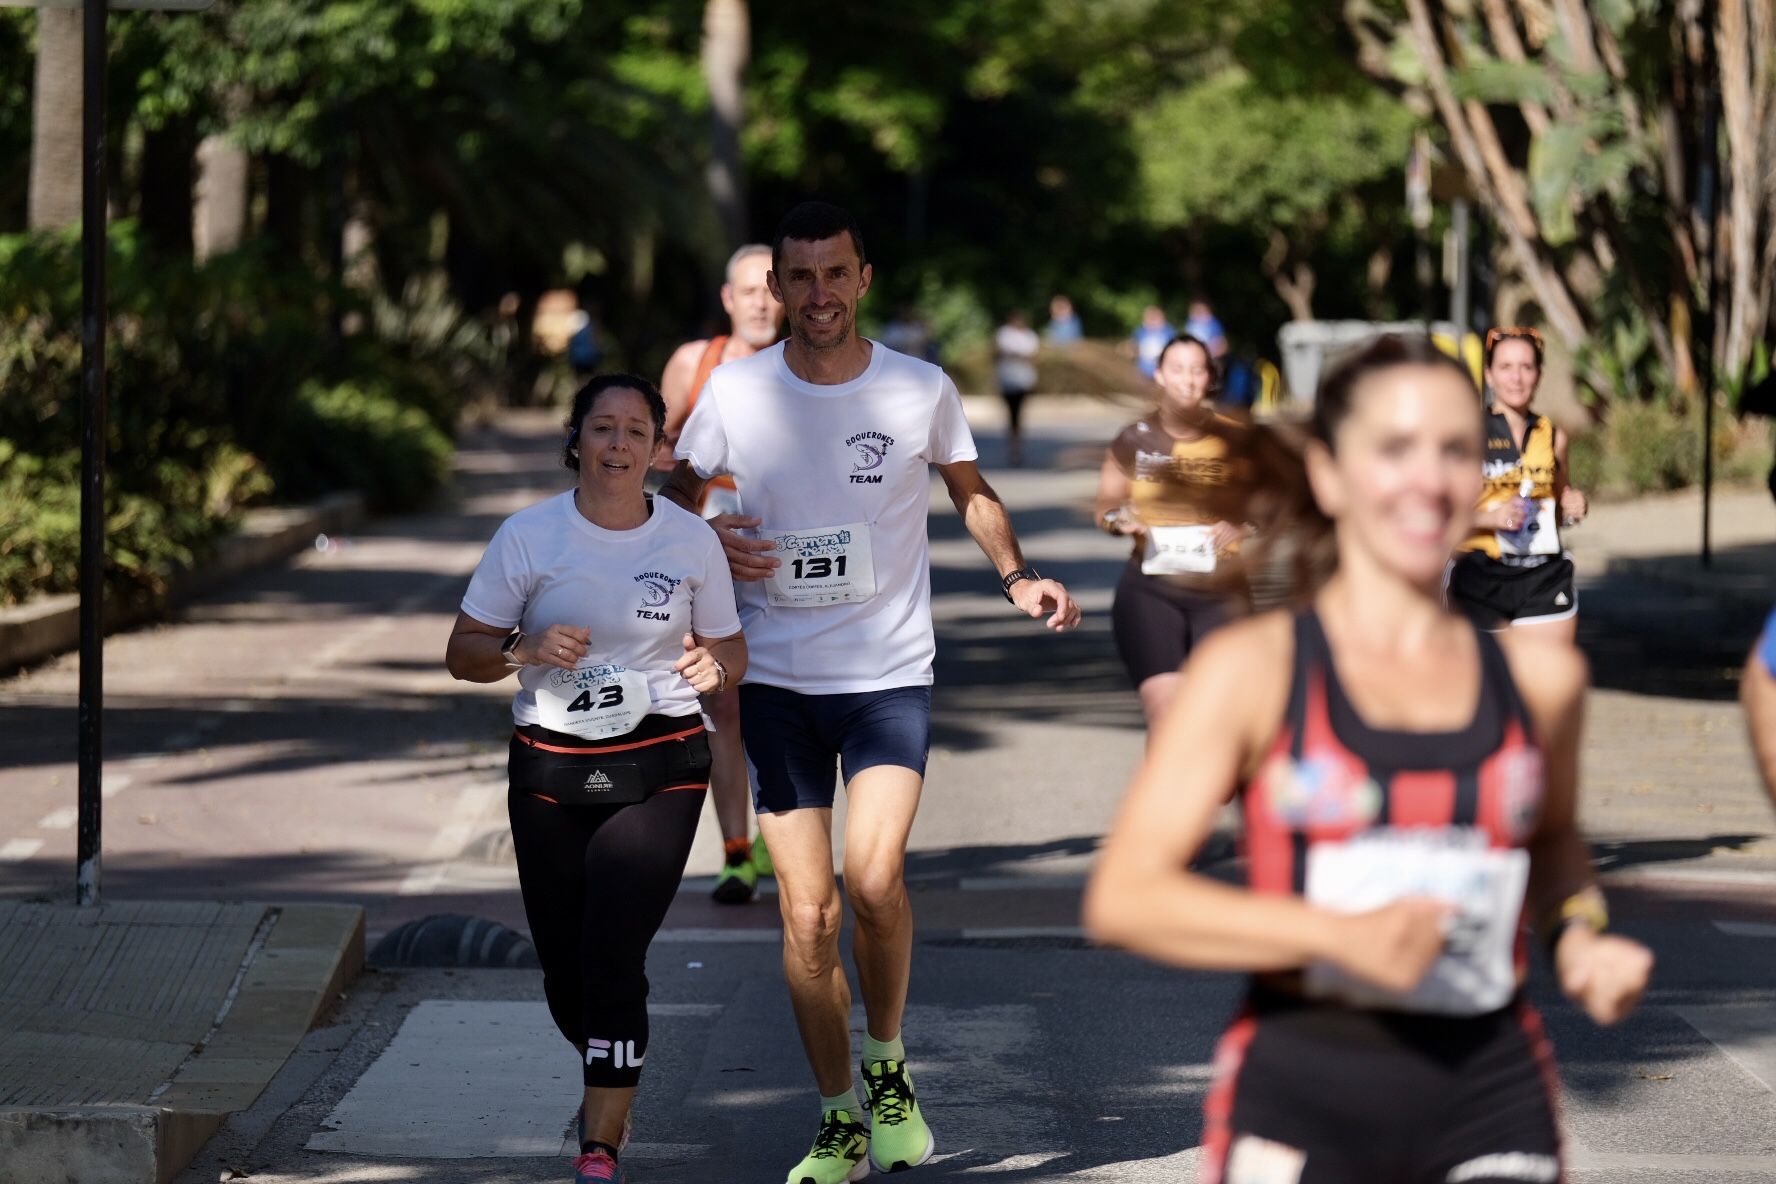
(1515, 333)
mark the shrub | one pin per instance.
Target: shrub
(1649, 447)
(351, 436)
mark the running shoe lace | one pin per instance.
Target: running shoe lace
(890, 1093)
(835, 1136)
(593, 1167)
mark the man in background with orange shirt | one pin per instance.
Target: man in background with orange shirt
(755, 321)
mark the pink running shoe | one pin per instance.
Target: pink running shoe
(597, 1167)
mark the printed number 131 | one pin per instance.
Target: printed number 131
(819, 568)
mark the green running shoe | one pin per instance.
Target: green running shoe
(899, 1138)
(841, 1151)
(738, 881)
(761, 857)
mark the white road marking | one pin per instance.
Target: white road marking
(1746, 1032)
(62, 819)
(1701, 875)
(18, 850)
(497, 1079)
(693, 1009)
(1015, 932)
(1015, 883)
(112, 784)
(1746, 928)
(471, 805)
(719, 936)
(1581, 1159)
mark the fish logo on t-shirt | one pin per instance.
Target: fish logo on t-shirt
(656, 591)
(872, 450)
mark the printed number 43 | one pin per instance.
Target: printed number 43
(820, 567)
(611, 696)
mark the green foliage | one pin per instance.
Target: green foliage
(206, 369)
(1232, 150)
(1649, 446)
(364, 437)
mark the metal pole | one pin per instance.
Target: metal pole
(92, 453)
(1459, 279)
(1705, 204)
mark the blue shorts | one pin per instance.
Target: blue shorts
(1767, 644)
(793, 740)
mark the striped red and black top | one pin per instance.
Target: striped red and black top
(1329, 776)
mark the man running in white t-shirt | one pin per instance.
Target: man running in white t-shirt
(828, 437)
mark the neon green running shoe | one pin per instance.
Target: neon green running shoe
(737, 881)
(899, 1138)
(761, 857)
(841, 1151)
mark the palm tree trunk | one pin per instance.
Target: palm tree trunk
(55, 132)
(727, 46)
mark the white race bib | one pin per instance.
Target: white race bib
(1538, 536)
(821, 565)
(594, 701)
(1477, 971)
(1179, 550)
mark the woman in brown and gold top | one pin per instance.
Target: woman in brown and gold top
(1161, 486)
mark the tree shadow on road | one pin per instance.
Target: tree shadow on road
(1647, 632)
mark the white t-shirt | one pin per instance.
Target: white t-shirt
(639, 591)
(806, 456)
(1017, 349)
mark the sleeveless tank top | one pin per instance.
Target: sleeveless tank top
(1329, 776)
(712, 357)
(1506, 467)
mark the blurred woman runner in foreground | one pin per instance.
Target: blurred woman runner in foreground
(1512, 570)
(1408, 799)
(617, 611)
(1158, 484)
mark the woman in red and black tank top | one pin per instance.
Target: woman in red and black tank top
(1408, 796)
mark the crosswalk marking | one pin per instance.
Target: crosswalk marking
(18, 850)
(498, 1080)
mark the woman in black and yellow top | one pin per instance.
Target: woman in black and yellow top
(1159, 478)
(1512, 570)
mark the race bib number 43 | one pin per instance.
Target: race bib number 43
(593, 701)
(1477, 971)
(821, 565)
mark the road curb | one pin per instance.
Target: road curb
(284, 984)
(46, 626)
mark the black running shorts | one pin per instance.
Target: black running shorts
(1157, 624)
(1318, 1093)
(1496, 595)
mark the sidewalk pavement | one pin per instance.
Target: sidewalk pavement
(129, 1031)
(1659, 538)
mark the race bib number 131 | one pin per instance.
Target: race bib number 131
(822, 565)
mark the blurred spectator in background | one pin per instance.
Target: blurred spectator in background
(584, 350)
(908, 334)
(1015, 346)
(1757, 691)
(1063, 326)
(1150, 337)
(1205, 326)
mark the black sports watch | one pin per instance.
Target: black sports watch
(1013, 576)
(511, 643)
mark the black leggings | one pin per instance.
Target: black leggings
(597, 881)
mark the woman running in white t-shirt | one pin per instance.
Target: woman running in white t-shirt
(617, 610)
